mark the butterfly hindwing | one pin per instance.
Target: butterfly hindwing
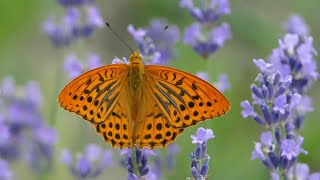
(183, 98)
(116, 130)
(94, 94)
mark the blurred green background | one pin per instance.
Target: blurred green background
(26, 54)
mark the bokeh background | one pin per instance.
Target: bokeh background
(27, 54)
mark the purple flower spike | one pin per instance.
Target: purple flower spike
(199, 158)
(94, 17)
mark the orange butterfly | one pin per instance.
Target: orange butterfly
(142, 105)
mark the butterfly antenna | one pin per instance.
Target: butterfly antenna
(152, 41)
(118, 37)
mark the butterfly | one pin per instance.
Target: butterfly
(141, 105)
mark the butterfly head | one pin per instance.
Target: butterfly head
(136, 58)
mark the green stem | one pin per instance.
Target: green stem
(134, 160)
(56, 89)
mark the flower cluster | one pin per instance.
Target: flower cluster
(154, 44)
(24, 132)
(202, 35)
(199, 158)
(279, 94)
(141, 163)
(295, 57)
(222, 84)
(278, 149)
(90, 164)
(80, 20)
(74, 68)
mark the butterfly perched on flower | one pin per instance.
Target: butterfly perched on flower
(143, 105)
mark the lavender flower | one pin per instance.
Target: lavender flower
(199, 158)
(208, 11)
(173, 149)
(25, 134)
(141, 163)
(155, 45)
(202, 35)
(90, 164)
(277, 95)
(74, 68)
(302, 171)
(6, 173)
(295, 57)
(80, 20)
(222, 84)
(206, 43)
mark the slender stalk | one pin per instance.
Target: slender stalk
(134, 160)
(56, 88)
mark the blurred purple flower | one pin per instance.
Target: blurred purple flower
(205, 38)
(209, 11)
(203, 76)
(90, 164)
(94, 61)
(223, 83)
(24, 131)
(76, 23)
(72, 66)
(296, 25)
(302, 171)
(6, 173)
(94, 17)
(68, 3)
(160, 52)
(7, 86)
(206, 43)
(173, 149)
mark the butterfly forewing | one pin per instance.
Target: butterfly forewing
(183, 98)
(94, 94)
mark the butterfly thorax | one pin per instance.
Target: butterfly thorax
(136, 82)
(136, 71)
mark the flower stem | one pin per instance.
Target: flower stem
(53, 99)
(134, 160)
